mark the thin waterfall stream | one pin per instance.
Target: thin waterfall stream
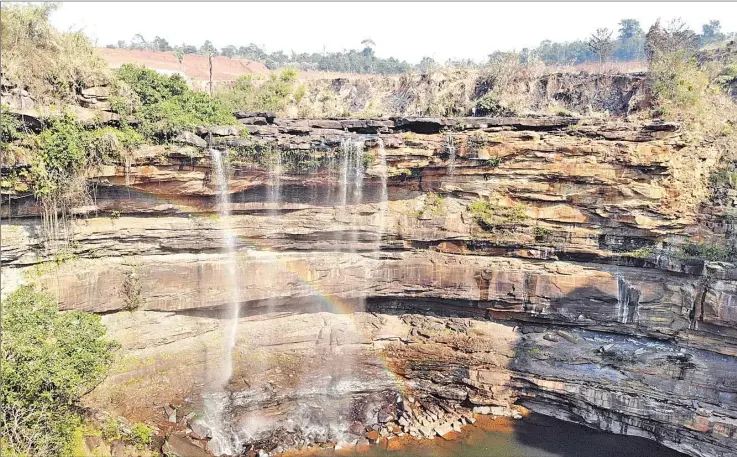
(224, 441)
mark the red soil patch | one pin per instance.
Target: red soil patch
(193, 66)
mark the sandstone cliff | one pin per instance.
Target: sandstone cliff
(564, 291)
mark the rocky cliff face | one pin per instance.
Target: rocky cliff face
(563, 290)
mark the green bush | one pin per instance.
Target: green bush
(62, 154)
(490, 216)
(182, 112)
(11, 128)
(542, 233)
(706, 251)
(141, 435)
(110, 429)
(164, 105)
(50, 359)
(274, 94)
(149, 86)
(494, 162)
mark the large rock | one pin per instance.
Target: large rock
(180, 446)
(190, 139)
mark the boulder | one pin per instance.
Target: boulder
(269, 116)
(190, 139)
(98, 92)
(261, 130)
(219, 130)
(179, 446)
(325, 124)
(253, 121)
(199, 431)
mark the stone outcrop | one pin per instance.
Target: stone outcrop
(567, 295)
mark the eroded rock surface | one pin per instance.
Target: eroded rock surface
(570, 298)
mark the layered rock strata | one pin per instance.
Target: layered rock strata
(564, 291)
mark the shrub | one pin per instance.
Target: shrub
(164, 105)
(141, 435)
(489, 105)
(434, 205)
(50, 359)
(62, 154)
(149, 86)
(11, 128)
(705, 251)
(182, 112)
(490, 216)
(494, 162)
(541, 233)
(678, 86)
(110, 429)
(274, 94)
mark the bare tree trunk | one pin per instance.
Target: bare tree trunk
(209, 61)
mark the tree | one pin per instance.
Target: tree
(673, 38)
(208, 49)
(229, 51)
(630, 42)
(189, 49)
(368, 43)
(138, 42)
(121, 44)
(711, 32)
(179, 54)
(160, 44)
(629, 28)
(49, 361)
(601, 44)
(427, 65)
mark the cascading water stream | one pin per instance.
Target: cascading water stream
(384, 195)
(224, 441)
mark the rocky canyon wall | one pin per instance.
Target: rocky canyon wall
(527, 261)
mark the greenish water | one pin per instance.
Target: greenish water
(535, 436)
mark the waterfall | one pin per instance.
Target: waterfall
(224, 441)
(352, 171)
(384, 195)
(275, 188)
(450, 148)
(628, 302)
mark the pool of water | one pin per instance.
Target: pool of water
(534, 436)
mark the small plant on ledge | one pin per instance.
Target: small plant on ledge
(494, 162)
(490, 216)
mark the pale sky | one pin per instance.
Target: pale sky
(407, 31)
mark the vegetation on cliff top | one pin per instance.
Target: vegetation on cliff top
(52, 65)
(50, 359)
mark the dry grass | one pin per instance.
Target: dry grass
(53, 66)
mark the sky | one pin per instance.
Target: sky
(407, 31)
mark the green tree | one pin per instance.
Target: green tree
(711, 32)
(160, 44)
(208, 48)
(139, 42)
(229, 51)
(629, 45)
(50, 359)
